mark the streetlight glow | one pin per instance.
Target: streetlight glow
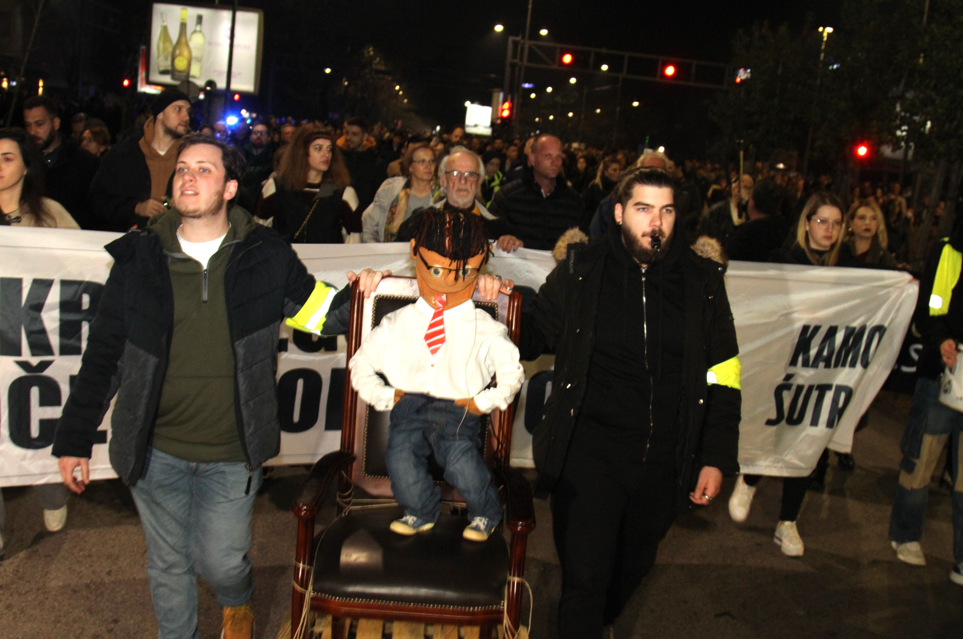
(532, 96)
(605, 67)
(327, 70)
(571, 80)
(598, 110)
(548, 89)
(570, 114)
(397, 87)
(467, 103)
(551, 117)
(636, 103)
(499, 28)
(661, 149)
(543, 32)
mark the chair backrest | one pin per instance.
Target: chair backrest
(364, 431)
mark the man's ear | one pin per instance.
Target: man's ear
(56, 124)
(618, 213)
(413, 256)
(230, 190)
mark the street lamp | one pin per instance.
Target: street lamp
(327, 70)
(548, 89)
(532, 96)
(499, 28)
(636, 103)
(543, 32)
(605, 67)
(571, 80)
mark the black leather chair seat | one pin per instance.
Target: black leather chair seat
(361, 559)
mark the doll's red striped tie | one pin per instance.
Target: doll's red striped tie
(435, 335)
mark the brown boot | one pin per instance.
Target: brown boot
(238, 623)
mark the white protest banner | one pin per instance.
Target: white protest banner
(816, 345)
(50, 282)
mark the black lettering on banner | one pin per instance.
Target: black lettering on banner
(875, 335)
(311, 343)
(803, 345)
(535, 398)
(18, 401)
(73, 313)
(851, 347)
(821, 390)
(334, 411)
(310, 406)
(841, 396)
(777, 399)
(826, 350)
(797, 413)
(17, 314)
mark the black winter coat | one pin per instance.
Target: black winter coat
(562, 320)
(128, 347)
(121, 183)
(68, 180)
(538, 221)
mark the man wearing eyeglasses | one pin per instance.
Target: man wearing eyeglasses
(534, 211)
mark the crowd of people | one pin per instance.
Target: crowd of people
(313, 183)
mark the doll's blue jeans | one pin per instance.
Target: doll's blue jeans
(421, 425)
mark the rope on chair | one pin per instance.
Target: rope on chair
(522, 631)
(301, 631)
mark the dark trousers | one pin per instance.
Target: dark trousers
(793, 492)
(608, 519)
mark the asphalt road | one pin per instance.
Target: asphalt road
(713, 579)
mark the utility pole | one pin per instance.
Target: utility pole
(812, 113)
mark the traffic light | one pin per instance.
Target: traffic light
(506, 111)
(567, 58)
(668, 70)
(126, 82)
(862, 151)
(237, 97)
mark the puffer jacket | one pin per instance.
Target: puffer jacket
(128, 347)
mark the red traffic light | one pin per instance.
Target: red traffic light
(237, 97)
(862, 150)
(738, 80)
(506, 111)
(669, 70)
(567, 58)
(126, 83)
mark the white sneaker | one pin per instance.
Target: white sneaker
(788, 539)
(55, 520)
(741, 500)
(910, 553)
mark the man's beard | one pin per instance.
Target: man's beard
(641, 254)
(202, 211)
(469, 197)
(44, 143)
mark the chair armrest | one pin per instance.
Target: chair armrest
(323, 473)
(519, 504)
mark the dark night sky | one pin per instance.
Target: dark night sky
(449, 53)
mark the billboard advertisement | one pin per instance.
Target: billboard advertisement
(191, 42)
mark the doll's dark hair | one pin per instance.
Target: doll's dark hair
(456, 236)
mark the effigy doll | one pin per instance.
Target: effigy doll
(439, 355)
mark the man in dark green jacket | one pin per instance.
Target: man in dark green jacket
(645, 407)
(186, 336)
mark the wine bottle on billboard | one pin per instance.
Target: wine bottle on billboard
(164, 47)
(181, 55)
(197, 42)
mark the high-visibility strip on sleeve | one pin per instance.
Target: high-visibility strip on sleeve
(947, 275)
(727, 373)
(312, 315)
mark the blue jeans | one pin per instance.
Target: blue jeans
(421, 425)
(197, 520)
(931, 425)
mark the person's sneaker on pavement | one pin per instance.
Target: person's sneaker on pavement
(411, 525)
(55, 520)
(479, 529)
(909, 552)
(238, 622)
(956, 576)
(788, 539)
(741, 500)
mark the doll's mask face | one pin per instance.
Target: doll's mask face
(437, 275)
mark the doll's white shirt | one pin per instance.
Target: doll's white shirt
(476, 348)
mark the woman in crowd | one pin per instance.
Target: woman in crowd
(21, 186)
(95, 140)
(864, 238)
(399, 197)
(818, 238)
(598, 189)
(22, 204)
(310, 200)
(493, 176)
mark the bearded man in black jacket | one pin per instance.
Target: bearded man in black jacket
(643, 420)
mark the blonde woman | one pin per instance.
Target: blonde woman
(818, 234)
(865, 238)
